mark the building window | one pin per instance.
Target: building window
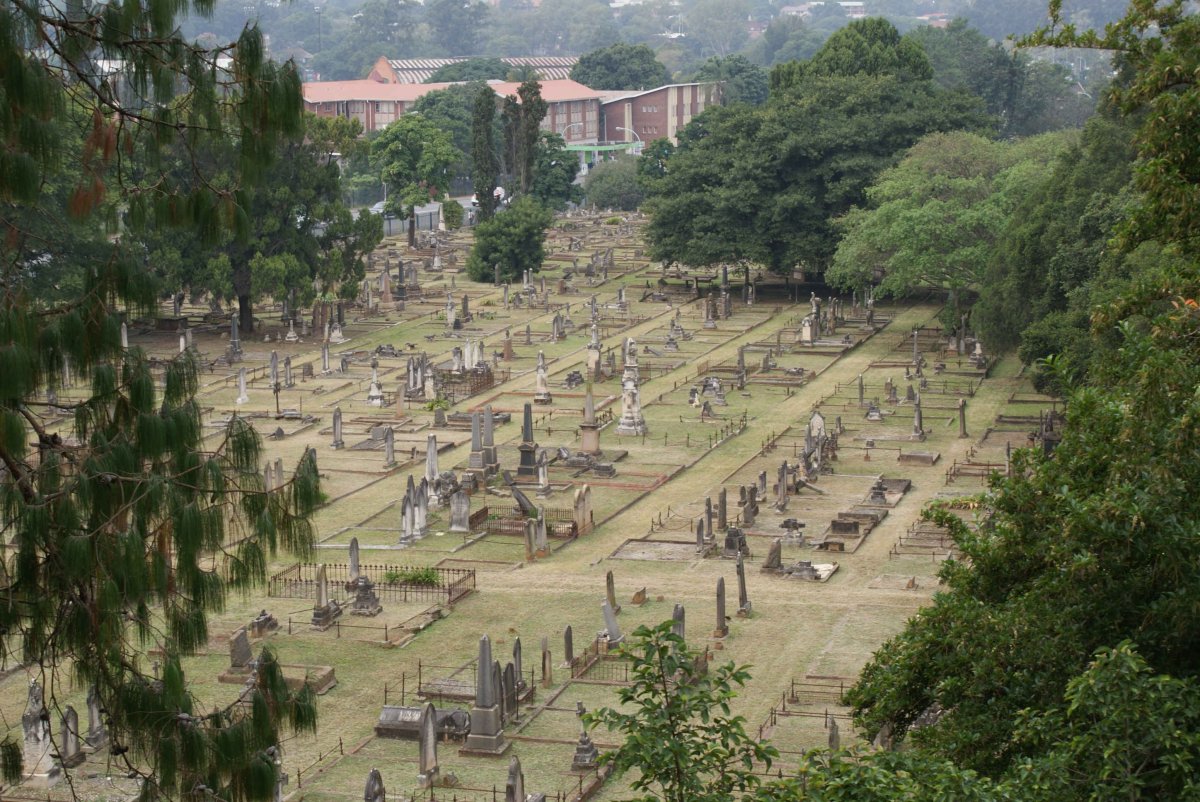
(649, 109)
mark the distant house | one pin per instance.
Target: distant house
(573, 109)
(655, 113)
(938, 19)
(855, 9)
(418, 70)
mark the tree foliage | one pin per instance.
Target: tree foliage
(1081, 552)
(413, 155)
(741, 80)
(128, 524)
(1053, 263)
(485, 163)
(614, 185)
(676, 726)
(1027, 96)
(521, 118)
(300, 236)
(554, 173)
(1157, 48)
(514, 239)
(472, 69)
(866, 47)
(933, 220)
(620, 66)
(766, 184)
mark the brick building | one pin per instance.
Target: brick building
(573, 110)
(655, 113)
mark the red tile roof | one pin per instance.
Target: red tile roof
(340, 91)
(335, 91)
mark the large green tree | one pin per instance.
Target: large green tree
(933, 220)
(620, 66)
(767, 184)
(472, 69)
(554, 172)
(127, 524)
(614, 185)
(452, 109)
(1054, 261)
(514, 240)
(299, 237)
(413, 155)
(741, 80)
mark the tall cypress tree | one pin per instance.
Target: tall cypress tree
(485, 168)
(127, 526)
(522, 119)
(533, 111)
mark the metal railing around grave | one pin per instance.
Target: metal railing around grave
(300, 582)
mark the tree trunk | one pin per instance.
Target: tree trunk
(245, 315)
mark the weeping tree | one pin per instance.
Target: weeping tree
(127, 526)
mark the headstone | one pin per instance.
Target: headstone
(632, 421)
(514, 789)
(97, 735)
(611, 628)
(491, 457)
(508, 685)
(239, 649)
(326, 611)
(431, 458)
(610, 592)
(460, 512)
(541, 393)
(389, 447)
(547, 665)
(374, 790)
(723, 627)
(487, 734)
(354, 566)
(835, 739)
(722, 511)
(68, 740)
(39, 767)
(235, 344)
(543, 474)
(427, 760)
(568, 647)
(774, 561)
(527, 446)
(678, 619)
(744, 607)
(962, 417)
(338, 442)
(242, 396)
(586, 753)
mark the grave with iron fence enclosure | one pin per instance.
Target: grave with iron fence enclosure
(408, 583)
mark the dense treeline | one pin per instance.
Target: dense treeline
(344, 37)
(1059, 659)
